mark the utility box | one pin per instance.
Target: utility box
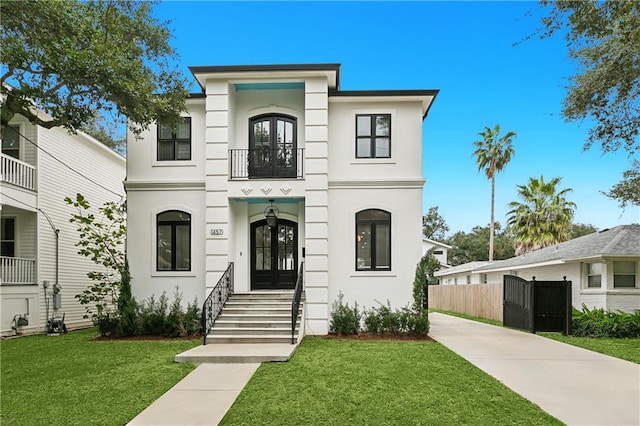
(57, 301)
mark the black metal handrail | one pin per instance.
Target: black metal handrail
(295, 304)
(266, 163)
(215, 301)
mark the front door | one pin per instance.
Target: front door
(274, 255)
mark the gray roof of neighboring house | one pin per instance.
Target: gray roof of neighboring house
(436, 243)
(623, 241)
(465, 267)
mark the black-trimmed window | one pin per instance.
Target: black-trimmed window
(373, 240)
(11, 142)
(173, 238)
(175, 144)
(373, 135)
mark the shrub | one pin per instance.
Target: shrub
(344, 320)
(427, 265)
(383, 320)
(600, 323)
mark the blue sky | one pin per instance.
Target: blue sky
(464, 49)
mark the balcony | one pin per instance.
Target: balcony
(17, 172)
(266, 163)
(18, 271)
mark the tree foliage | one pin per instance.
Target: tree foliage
(603, 37)
(73, 58)
(434, 226)
(425, 269)
(101, 240)
(544, 216)
(627, 191)
(474, 245)
(493, 153)
(106, 132)
(581, 229)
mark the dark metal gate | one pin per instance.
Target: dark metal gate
(537, 305)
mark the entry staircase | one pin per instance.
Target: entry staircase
(256, 317)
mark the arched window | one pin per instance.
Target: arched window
(173, 241)
(373, 240)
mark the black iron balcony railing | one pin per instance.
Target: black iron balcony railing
(266, 163)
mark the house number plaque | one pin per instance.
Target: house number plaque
(216, 231)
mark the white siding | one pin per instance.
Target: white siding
(55, 182)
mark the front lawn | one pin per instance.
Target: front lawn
(72, 380)
(627, 348)
(342, 382)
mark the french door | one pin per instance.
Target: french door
(274, 255)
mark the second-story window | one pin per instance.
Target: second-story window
(373, 136)
(175, 145)
(11, 142)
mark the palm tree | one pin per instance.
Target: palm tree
(493, 154)
(543, 218)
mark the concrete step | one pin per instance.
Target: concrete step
(239, 332)
(225, 316)
(262, 296)
(238, 353)
(256, 311)
(257, 304)
(224, 323)
(216, 339)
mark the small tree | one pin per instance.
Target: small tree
(102, 240)
(427, 266)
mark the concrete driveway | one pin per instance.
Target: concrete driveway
(577, 386)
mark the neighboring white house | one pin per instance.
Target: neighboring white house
(603, 268)
(440, 250)
(341, 170)
(38, 171)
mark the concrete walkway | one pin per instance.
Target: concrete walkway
(205, 395)
(577, 386)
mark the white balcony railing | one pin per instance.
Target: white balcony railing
(17, 172)
(16, 270)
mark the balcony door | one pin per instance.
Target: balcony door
(274, 255)
(272, 146)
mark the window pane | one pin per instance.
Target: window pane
(261, 134)
(383, 123)
(383, 246)
(288, 133)
(165, 150)
(382, 148)
(624, 281)
(8, 249)
(164, 248)
(364, 125)
(164, 132)
(594, 281)
(11, 142)
(373, 214)
(624, 267)
(184, 130)
(363, 247)
(184, 150)
(280, 134)
(183, 248)
(363, 149)
(174, 216)
(594, 268)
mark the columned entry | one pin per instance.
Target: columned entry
(274, 255)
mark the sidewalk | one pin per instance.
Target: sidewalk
(577, 386)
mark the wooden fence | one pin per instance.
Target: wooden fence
(479, 300)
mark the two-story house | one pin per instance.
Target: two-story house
(39, 168)
(274, 165)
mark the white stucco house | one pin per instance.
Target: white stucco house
(604, 268)
(341, 171)
(440, 251)
(40, 167)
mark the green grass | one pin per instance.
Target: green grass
(342, 382)
(469, 317)
(627, 349)
(72, 380)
